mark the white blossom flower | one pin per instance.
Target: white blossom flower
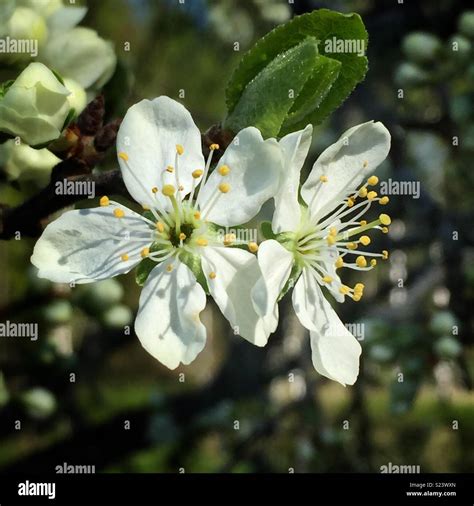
(315, 239)
(80, 54)
(178, 238)
(35, 106)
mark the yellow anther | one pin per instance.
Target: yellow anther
(202, 241)
(123, 156)
(373, 180)
(327, 279)
(361, 261)
(169, 190)
(363, 192)
(197, 173)
(160, 226)
(359, 287)
(119, 213)
(223, 170)
(365, 164)
(371, 195)
(229, 239)
(356, 297)
(213, 147)
(385, 219)
(212, 275)
(197, 215)
(253, 247)
(154, 190)
(104, 201)
(224, 187)
(363, 222)
(384, 254)
(331, 240)
(182, 236)
(170, 169)
(352, 245)
(145, 252)
(169, 267)
(373, 262)
(179, 149)
(333, 231)
(365, 240)
(339, 262)
(323, 179)
(124, 257)
(344, 289)
(350, 202)
(384, 200)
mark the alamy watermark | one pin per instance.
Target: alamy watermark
(357, 330)
(11, 329)
(68, 187)
(390, 187)
(74, 469)
(335, 45)
(9, 45)
(399, 469)
(238, 235)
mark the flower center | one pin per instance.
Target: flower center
(324, 245)
(181, 229)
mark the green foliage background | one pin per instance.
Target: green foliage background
(310, 424)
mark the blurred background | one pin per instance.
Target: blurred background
(87, 393)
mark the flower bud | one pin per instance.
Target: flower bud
(80, 54)
(78, 97)
(24, 163)
(421, 47)
(23, 24)
(35, 106)
(466, 24)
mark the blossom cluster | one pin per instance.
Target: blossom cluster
(38, 36)
(175, 235)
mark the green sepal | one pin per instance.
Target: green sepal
(291, 281)
(267, 231)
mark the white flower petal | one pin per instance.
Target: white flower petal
(235, 272)
(304, 300)
(335, 351)
(168, 323)
(295, 148)
(148, 136)
(275, 264)
(255, 171)
(346, 164)
(86, 245)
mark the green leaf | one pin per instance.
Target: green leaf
(314, 104)
(268, 98)
(315, 90)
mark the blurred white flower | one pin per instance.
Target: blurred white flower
(23, 24)
(77, 98)
(35, 106)
(24, 163)
(315, 239)
(82, 55)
